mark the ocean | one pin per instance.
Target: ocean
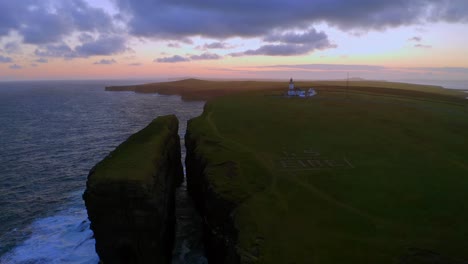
(51, 134)
(448, 84)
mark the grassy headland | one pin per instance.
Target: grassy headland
(365, 175)
(194, 89)
(136, 159)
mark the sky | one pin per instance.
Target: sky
(230, 39)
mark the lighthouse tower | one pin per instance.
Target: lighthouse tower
(292, 90)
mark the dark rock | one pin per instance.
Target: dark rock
(130, 196)
(424, 256)
(220, 234)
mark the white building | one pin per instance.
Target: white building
(311, 92)
(296, 91)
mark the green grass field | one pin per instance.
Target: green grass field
(136, 159)
(344, 177)
(194, 89)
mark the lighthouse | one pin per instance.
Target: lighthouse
(296, 91)
(292, 89)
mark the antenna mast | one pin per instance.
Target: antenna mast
(347, 84)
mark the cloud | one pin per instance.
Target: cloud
(186, 41)
(173, 59)
(49, 25)
(358, 68)
(4, 59)
(11, 13)
(180, 41)
(105, 62)
(34, 65)
(56, 27)
(361, 69)
(419, 45)
(135, 64)
(85, 37)
(178, 58)
(276, 50)
(87, 18)
(422, 46)
(15, 67)
(328, 67)
(415, 39)
(47, 21)
(206, 56)
(42, 60)
(56, 50)
(309, 36)
(291, 44)
(173, 45)
(104, 45)
(243, 18)
(338, 71)
(216, 45)
(12, 47)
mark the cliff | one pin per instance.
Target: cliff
(130, 196)
(193, 89)
(328, 180)
(220, 234)
(219, 187)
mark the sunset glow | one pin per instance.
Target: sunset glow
(80, 39)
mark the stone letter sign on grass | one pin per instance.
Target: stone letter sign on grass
(311, 160)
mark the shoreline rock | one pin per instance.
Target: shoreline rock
(130, 196)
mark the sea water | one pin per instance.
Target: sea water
(447, 84)
(51, 135)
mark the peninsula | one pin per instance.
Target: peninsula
(373, 172)
(368, 175)
(196, 89)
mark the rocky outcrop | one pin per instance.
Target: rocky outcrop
(220, 234)
(424, 256)
(130, 196)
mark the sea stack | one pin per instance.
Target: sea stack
(130, 196)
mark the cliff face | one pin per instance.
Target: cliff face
(193, 89)
(220, 234)
(130, 196)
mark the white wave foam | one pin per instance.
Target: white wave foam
(62, 238)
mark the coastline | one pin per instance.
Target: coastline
(203, 90)
(199, 90)
(53, 172)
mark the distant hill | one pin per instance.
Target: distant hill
(196, 89)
